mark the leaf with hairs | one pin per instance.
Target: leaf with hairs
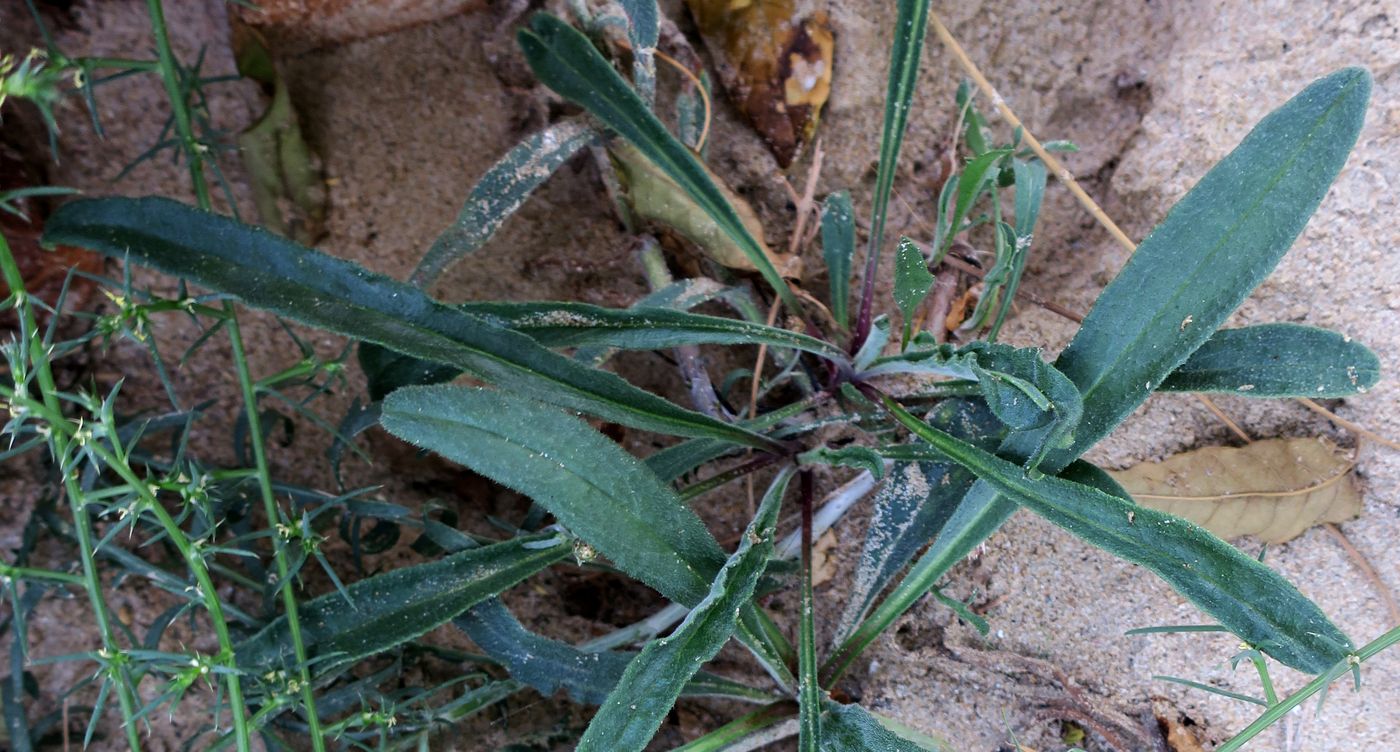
(1242, 594)
(267, 271)
(852, 728)
(562, 324)
(1277, 360)
(567, 62)
(1273, 489)
(500, 192)
(912, 281)
(595, 489)
(912, 504)
(653, 680)
(550, 665)
(1213, 249)
(392, 608)
(838, 247)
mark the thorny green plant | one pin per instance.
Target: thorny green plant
(994, 428)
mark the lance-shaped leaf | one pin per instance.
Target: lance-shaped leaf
(550, 665)
(1215, 246)
(635, 708)
(851, 728)
(596, 490)
(501, 191)
(967, 187)
(392, 608)
(1277, 360)
(559, 324)
(838, 247)
(567, 62)
(291, 280)
(912, 281)
(643, 33)
(1241, 593)
(910, 29)
(912, 505)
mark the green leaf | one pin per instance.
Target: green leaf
(550, 665)
(291, 280)
(643, 33)
(1245, 596)
(596, 490)
(851, 728)
(500, 192)
(392, 608)
(1215, 246)
(912, 281)
(910, 29)
(970, 183)
(562, 324)
(1277, 360)
(1024, 392)
(838, 246)
(912, 505)
(564, 60)
(653, 680)
(386, 370)
(852, 455)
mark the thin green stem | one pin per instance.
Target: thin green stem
(194, 156)
(722, 737)
(1279, 710)
(1262, 668)
(82, 527)
(49, 575)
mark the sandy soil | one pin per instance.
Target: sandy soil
(1153, 92)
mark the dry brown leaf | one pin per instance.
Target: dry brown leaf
(1273, 489)
(774, 58)
(655, 197)
(824, 558)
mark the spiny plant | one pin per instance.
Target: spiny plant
(991, 429)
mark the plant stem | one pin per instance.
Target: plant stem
(194, 155)
(92, 581)
(1272, 715)
(723, 737)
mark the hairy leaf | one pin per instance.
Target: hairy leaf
(1241, 593)
(910, 29)
(1273, 489)
(1212, 250)
(392, 608)
(653, 680)
(500, 192)
(912, 504)
(558, 324)
(851, 728)
(596, 490)
(838, 246)
(912, 281)
(550, 665)
(968, 185)
(1277, 360)
(567, 62)
(1024, 392)
(291, 280)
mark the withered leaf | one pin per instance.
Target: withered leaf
(774, 58)
(654, 197)
(1273, 489)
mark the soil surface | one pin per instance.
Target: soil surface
(1154, 93)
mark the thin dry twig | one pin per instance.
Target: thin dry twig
(1362, 563)
(1350, 426)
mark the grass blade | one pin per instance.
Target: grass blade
(1277, 360)
(267, 271)
(653, 680)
